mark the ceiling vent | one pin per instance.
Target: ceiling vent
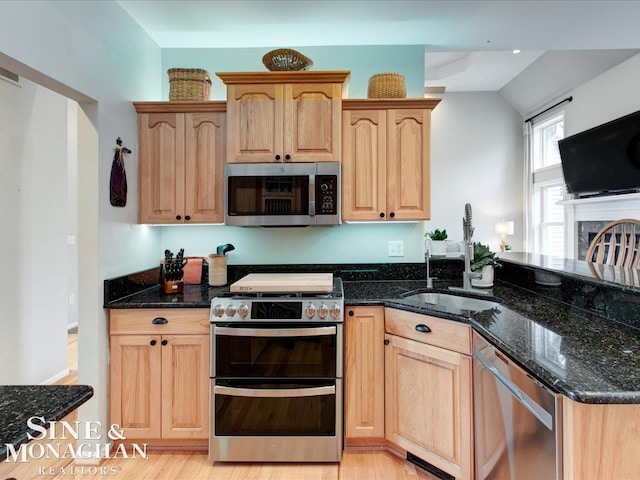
(9, 76)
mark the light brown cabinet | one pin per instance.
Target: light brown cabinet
(159, 374)
(364, 376)
(284, 116)
(428, 390)
(182, 147)
(386, 159)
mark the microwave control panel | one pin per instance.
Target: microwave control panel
(326, 194)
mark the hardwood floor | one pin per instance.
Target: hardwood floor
(194, 465)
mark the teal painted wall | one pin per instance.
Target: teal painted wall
(362, 61)
(356, 243)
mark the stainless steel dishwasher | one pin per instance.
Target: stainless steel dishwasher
(518, 420)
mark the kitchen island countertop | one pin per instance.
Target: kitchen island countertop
(18, 403)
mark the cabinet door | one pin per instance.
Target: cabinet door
(408, 164)
(135, 384)
(428, 399)
(185, 386)
(364, 161)
(161, 174)
(364, 376)
(205, 150)
(312, 122)
(255, 123)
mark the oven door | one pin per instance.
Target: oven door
(275, 421)
(276, 351)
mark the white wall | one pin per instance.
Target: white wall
(95, 53)
(33, 195)
(476, 148)
(608, 96)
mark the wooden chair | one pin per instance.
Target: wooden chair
(618, 243)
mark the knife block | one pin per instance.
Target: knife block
(173, 286)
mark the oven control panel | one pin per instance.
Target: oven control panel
(285, 310)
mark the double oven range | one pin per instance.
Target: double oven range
(276, 377)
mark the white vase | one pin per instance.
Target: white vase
(438, 247)
(486, 280)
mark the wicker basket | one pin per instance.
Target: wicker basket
(386, 85)
(189, 84)
(286, 59)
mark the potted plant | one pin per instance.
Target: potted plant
(484, 261)
(438, 240)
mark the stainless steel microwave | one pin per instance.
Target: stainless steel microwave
(282, 194)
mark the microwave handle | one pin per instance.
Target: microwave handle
(312, 195)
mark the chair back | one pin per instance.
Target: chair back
(618, 243)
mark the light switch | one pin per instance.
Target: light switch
(396, 248)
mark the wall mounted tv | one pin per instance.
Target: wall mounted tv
(604, 160)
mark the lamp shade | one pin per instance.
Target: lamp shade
(504, 228)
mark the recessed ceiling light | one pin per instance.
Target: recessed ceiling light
(516, 51)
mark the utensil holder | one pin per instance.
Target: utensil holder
(217, 270)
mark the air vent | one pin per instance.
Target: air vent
(10, 76)
(428, 467)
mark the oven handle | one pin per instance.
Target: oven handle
(274, 392)
(274, 332)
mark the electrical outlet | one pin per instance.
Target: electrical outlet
(396, 248)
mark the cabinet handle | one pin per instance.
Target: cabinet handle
(178, 217)
(164, 342)
(421, 327)
(381, 214)
(159, 321)
(351, 313)
(152, 343)
(187, 217)
(287, 157)
(278, 157)
(392, 214)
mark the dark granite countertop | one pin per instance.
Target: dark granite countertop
(579, 337)
(19, 403)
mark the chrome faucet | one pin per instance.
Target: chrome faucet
(467, 275)
(427, 257)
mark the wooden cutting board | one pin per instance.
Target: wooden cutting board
(284, 282)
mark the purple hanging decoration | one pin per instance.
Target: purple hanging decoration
(119, 176)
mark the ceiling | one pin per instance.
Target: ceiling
(468, 43)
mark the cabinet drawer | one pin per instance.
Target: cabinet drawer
(187, 321)
(444, 333)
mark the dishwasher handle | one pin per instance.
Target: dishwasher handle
(536, 410)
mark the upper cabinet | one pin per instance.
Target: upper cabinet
(182, 147)
(386, 159)
(284, 116)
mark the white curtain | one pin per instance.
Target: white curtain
(527, 132)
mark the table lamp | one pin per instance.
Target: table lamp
(503, 229)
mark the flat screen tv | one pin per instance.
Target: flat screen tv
(604, 160)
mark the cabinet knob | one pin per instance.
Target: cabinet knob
(187, 217)
(164, 342)
(178, 217)
(381, 214)
(159, 321)
(422, 328)
(152, 342)
(386, 342)
(287, 157)
(392, 214)
(278, 157)
(351, 313)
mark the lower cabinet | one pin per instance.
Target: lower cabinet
(428, 390)
(159, 374)
(364, 377)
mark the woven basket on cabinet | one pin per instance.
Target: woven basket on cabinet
(189, 84)
(386, 85)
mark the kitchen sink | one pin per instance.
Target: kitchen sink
(453, 302)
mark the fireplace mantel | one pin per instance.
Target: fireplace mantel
(606, 208)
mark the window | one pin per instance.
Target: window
(545, 232)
